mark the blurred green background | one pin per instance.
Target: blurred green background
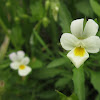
(35, 26)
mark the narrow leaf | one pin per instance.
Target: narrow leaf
(95, 80)
(64, 17)
(57, 62)
(95, 7)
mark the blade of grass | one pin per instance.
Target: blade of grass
(42, 42)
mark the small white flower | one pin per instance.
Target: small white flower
(19, 61)
(81, 41)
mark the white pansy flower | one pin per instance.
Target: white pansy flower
(19, 62)
(81, 41)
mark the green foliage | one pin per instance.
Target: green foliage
(37, 10)
(95, 7)
(35, 26)
(64, 97)
(98, 97)
(84, 8)
(35, 63)
(95, 80)
(64, 18)
(57, 62)
(16, 37)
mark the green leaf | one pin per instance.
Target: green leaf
(47, 95)
(64, 97)
(96, 20)
(73, 97)
(47, 73)
(4, 64)
(37, 11)
(84, 23)
(64, 17)
(57, 62)
(78, 79)
(84, 8)
(62, 82)
(35, 63)
(16, 37)
(98, 97)
(95, 6)
(95, 80)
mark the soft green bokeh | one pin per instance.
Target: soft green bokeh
(35, 26)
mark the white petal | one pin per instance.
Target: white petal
(77, 27)
(14, 65)
(20, 55)
(92, 44)
(68, 41)
(77, 60)
(91, 28)
(25, 60)
(25, 71)
(13, 56)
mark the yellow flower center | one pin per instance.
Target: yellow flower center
(79, 51)
(22, 67)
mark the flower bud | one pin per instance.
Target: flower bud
(45, 21)
(8, 4)
(47, 4)
(16, 19)
(55, 13)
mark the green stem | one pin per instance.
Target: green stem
(37, 25)
(79, 80)
(4, 47)
(39, 38)
(42, 42)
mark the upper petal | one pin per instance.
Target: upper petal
(25, 60)
(25, 71)
(92, 44)
(76, 59)
(20, 55)
(68, 41)
(77, 27)
(91, 28)
(14, 65)
(13, 56)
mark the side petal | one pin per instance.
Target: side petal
(25, 71)
(14, 65)
(91, 28)
(25, 60)
(68, 41)
(92, 44)
(13, 56)
(77, 60)
(77, 27)
(20, 55)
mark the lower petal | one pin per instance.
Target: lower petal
(24, 72)
(78, 56)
